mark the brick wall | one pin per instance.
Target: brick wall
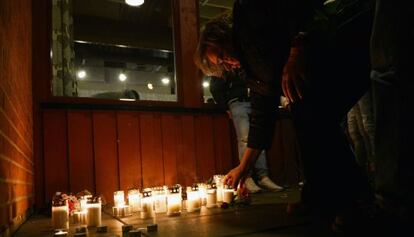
(16, 152)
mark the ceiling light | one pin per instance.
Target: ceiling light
(81, 74)
(134, 3)
(165, 80)
(122, 77)
(150, 86)
(206, 84)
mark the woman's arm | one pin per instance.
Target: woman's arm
(249, 159)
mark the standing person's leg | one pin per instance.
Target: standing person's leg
(392, 49)
(240, 116)
(338, 74)
(262, 174)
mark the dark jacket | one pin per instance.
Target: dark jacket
(232, 86)
(262, 34)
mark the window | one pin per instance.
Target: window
(109, 49)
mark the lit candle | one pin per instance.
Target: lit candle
(134, 200)
(94, 216)
(174, 201)
(83, 201)
(119, 198)
(147, 205)
(160, 199)
(193, 199)
(228, 194)
(218, 179)
(79, 217)
(121, 211)
(211, 197)
(60, 214)
(202, 191)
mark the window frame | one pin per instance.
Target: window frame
(187, 76)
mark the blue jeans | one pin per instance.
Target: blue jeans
(240, 115)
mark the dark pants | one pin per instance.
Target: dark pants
(338, 75)
(392, 56)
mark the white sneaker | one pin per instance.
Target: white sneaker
(251, 186)
(268, 184)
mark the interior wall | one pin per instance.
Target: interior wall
(16, 123)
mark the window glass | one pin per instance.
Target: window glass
(110, 49)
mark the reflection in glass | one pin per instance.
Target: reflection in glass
(108, 49)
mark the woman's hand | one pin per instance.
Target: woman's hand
(238, 174)
(235, 176)
(293, 79)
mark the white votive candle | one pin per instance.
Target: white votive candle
(79, 217)
(160, 200)
(147, 205)
(94, 215)
(60, 217)
(134, 200)
(211, 198)
(228, 194)
(119, 198)
(193, 199)
(174, 202)
(202, 191)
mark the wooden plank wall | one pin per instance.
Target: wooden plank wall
(104, 151)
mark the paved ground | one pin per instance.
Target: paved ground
(265, 216)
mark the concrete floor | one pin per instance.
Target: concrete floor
(265, 216)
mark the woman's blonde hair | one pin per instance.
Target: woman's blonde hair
(217, 34)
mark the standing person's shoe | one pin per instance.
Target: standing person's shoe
(251, 186)
(268, 184)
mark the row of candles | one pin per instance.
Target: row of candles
(169, 200)
(147, 203)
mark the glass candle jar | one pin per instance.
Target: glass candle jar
(147, 205)
(174, 201)
(228, 194)
(60, 214)
(79, 217)
(218, 179)
(202, 191)
(160, 199)
(193, 199)
(119, 199)
(134, 200)
(211, 196)
(83, 201)
(94, 215)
